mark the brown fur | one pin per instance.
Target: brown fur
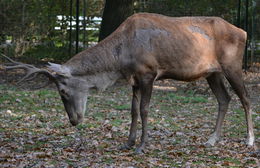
(166, 46)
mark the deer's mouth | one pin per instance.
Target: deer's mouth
(75, 110)
(75, 122)
(75, 117)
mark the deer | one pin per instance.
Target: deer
(147, 47)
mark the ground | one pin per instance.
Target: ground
(35, 131)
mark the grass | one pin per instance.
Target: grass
(189, 98)
(122, 107)
(179, 123)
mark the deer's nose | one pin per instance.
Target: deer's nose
(75, 122)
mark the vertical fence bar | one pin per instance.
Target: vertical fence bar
(70, 32)
(246, 29)
(77, 26)
(238, 13)
(253, 32)
(84, 23)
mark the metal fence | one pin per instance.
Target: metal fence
(46, 29)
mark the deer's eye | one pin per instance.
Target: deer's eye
(64, 83)
(64, 93)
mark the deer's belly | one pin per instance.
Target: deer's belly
(188, 73)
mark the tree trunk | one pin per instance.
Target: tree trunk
(115, 12)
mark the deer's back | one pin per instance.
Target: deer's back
(180, 47)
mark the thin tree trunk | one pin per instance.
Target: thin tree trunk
(115, 12)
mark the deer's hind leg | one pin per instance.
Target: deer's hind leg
(217, 86)
(236, 82)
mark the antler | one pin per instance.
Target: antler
(31, 71)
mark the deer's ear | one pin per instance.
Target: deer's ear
(59, 69)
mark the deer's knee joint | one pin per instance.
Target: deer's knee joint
(224, 101)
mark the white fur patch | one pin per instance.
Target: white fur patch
(197, 29)
(250, 139)
(212, 139)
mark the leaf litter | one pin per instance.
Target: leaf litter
(35, 131)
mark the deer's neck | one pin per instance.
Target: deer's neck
(102, 58)
(103, 80)
(99, 65)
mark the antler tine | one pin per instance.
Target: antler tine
(9, 59)
(26, 77)
(17, 64)
(29, 78)
(39, 87)
(35, 72)
(43, 86)
(30, 70)
(21, 66)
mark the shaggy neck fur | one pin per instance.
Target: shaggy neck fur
(102, 80)
(100, 59)
(99, 65)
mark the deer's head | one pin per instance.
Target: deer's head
(72, 89)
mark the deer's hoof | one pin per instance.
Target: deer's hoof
(250, 141)
(139, 150)
(125, 147)
(209, 144)
(213, 139)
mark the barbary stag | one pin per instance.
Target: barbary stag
(149, 47)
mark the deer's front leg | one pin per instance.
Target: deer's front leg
(146, 92)
(134, 113)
